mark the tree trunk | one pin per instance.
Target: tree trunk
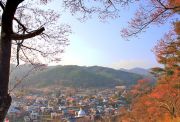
(5, 103)
(5, 54)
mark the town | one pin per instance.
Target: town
(66, 104)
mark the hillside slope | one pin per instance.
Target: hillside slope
(79, 76)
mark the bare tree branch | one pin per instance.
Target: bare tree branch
(26, 36)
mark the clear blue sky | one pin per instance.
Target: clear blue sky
(96, 43)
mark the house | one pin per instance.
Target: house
(27, 119)
(34, 116)
(81, 113)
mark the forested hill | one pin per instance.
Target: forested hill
(80, 76)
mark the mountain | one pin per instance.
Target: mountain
(80, 76)
(73, 76)
(22, 73)
(140, 71)
(144, 72)
(19, 71)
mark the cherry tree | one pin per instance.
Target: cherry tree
(24, 39)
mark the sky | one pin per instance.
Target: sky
(99, 43)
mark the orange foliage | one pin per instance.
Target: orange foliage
(162, 103)
(142, 87)
(173, 3)
(177, 27)
(167, 50)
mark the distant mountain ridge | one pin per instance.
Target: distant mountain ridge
(140, 71)
(82, 76)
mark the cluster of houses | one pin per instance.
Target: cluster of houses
(67, 105)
